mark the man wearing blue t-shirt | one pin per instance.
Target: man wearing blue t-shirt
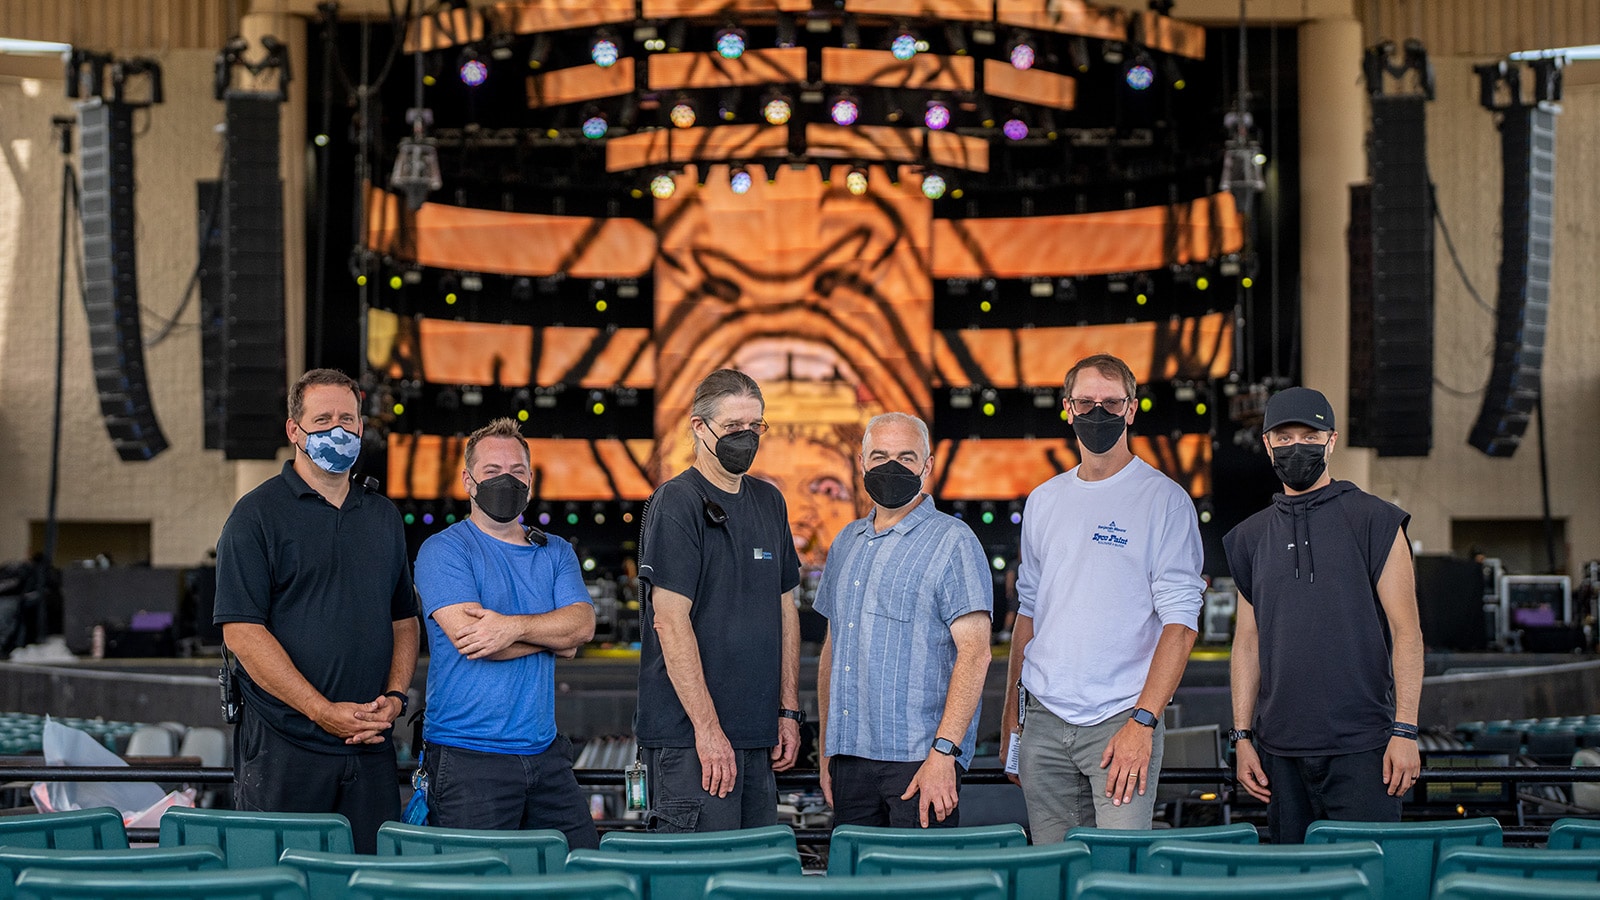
(502, 602)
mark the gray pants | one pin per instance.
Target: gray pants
(679, 804)
(1063, 783)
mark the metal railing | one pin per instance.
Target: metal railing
(801, 780)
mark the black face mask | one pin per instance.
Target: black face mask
(1300, 465)
(1098, 430)
(892, 485)
(502, 498)
(737, 451)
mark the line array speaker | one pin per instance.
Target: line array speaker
(1391, 394)
(213, 318)
(111, 283)
(254, 367)
(1527, 228)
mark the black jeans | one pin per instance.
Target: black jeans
(679, 804)
(1348, 787)
(867, 792)
(505, 791)
(271, 774)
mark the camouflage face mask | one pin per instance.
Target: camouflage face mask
(334, 450)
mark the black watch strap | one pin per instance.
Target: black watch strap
(403, 697)
(947, 747)
(1144, 717)
(1236, 735)
(798, 715)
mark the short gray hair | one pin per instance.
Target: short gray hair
(898, 418)
(720, 384)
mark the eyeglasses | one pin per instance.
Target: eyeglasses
(759, 427)
(1082, 406)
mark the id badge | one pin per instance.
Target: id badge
(636, 777)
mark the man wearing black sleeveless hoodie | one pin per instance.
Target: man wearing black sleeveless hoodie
(1327, 652)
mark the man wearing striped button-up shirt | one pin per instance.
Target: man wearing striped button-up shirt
(908, 598)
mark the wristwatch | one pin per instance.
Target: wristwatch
(798, 715)
(1235, 735)
(403, 697)
(1144, 717)
(946, 746)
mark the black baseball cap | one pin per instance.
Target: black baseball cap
(1298, 406)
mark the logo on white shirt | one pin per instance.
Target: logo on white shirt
(1109, 534)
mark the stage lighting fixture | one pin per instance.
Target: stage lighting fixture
(987, 516)
(956, 38)
(856, 181)
(676, 33)
(427, 518)
(597, 403)
(1015, 129)
(850, 32)
(1140, 76)
(662, 187)
(786, 31)
(540, 51)
(1078, 53)
(904, 46)
(1173, 74)
(739, 180)
(682, 115)
(776, 110)
(1112, 52)
(1023, 55)
(474, 71)
(730, 43)
(933, 185)
(604, 52)
(937, 116)
(594, 127)
(844, 111)
(572, 513)
(416, 169)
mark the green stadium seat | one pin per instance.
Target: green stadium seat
(1191, 859)
(328, 874)
(965, 885)
(1521, 862)
(772, 837)
(588, 886)
(1347, 885)
(83, 829)
(533, 852)
(218, 884)
(850, 841)
(1047, 872)
(155, 859)
(1570, 833)
(255, 839)
(1410, 849)
(1478, 886)
(681, 877)
(1127, 850)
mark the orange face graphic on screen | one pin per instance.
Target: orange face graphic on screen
(820, 295)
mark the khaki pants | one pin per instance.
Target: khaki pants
(1062, 780)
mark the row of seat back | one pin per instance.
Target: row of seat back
(1411, 850)
(850, 841)
(1117, 850)
(327, 875)
(664, 876)
(250, 840)
(99, 828)
(13, 860)
(275, 883)
(533, 852)
(1575, 834)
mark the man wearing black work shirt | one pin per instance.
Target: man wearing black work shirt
(315, 599)
(719, 663)
(1327, 653)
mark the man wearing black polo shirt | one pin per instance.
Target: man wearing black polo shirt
(315, 599)
(719, 666)
(1327, 652)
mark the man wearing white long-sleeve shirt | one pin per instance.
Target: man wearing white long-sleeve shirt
(1109, 591)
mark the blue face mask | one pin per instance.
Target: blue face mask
(334, 450)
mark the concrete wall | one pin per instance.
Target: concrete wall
(1457, 481)
(186, 492)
